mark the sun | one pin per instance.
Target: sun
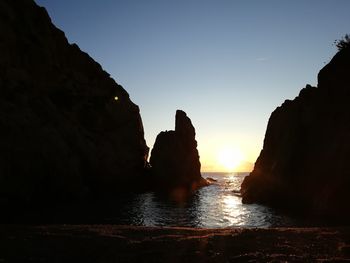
(229, 158)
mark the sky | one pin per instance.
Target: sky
(227, 64)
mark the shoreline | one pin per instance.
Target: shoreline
(117, 243)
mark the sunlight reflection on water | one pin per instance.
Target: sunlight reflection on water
(218, 205)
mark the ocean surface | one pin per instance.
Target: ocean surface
(216, 206)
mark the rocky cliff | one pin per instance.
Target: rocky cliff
(67, 128)
(304, 163)
(174, 157)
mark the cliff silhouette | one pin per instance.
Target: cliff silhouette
(175, 159)
(304, 163)
(68, 130)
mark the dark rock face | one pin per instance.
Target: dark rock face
(304, 163)
(174, 157)
(63, 132)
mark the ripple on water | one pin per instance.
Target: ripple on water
(216, 206)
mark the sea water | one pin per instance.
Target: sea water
(216, 206)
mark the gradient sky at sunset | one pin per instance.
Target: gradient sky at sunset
(228, 64)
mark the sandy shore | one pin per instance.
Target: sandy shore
(109, 243)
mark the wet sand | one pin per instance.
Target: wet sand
(111, 243)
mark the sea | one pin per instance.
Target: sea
(216, 206)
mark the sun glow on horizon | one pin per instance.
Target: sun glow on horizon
(229, 158)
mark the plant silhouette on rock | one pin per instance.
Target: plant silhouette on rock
(343, 43)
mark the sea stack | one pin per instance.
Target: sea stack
(174, 157)
(304, 163)
(68, 130)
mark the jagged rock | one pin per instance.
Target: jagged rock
(67, 129)
(304, 163)
(174, 157)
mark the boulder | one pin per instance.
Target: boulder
(304, 163)
(68, 130)
(174, 158)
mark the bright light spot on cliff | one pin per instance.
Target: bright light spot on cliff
(116, 98)
(229, 158)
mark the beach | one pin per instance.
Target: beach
(113, 243)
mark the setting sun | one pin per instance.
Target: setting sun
(229, 158)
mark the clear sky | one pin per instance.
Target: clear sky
(228, 64)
